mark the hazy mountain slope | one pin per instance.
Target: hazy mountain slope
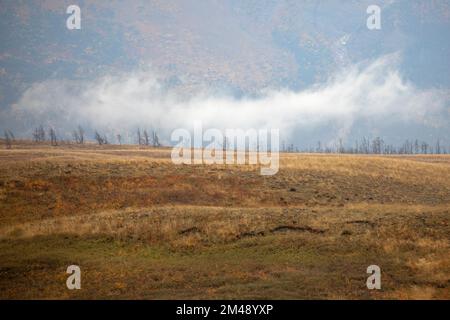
(238, 47)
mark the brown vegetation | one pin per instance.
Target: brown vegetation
(141, 227)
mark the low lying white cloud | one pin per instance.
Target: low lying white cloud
(125, 102)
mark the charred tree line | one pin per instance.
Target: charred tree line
(145, 139)
(374, 146)
(151, 138)
(39, 134)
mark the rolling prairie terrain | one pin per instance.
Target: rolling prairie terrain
(141, 227)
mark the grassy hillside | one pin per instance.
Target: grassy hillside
(141, 227)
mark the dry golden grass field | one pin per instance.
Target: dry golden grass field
(141, 227)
